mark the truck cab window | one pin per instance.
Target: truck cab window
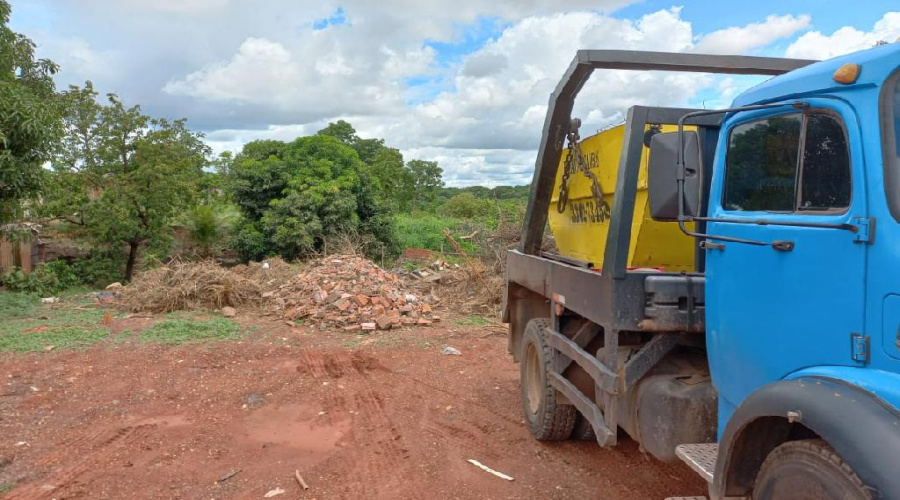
(771, 166)
(761, 164)
(825, 174)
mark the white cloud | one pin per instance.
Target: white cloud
(178, 6)
(247, 69)
(740, 40)
(816, 45)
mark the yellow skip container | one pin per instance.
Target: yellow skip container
(580, 229)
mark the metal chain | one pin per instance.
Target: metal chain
(575, 161)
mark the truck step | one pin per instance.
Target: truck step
(701, 457)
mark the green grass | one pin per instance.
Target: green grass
(17, 305)
(72, 337)
(6, 488)
(31, 326)
(472, 321)
(427, 231)
(177, 329)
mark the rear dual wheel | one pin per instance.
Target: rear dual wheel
(548, 420)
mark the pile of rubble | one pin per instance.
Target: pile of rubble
(351, 292)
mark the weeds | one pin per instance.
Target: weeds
(57, 328)
(17, 305)
(472, 321)
(177, 330)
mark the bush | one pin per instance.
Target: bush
(209, 226)
(45, 280)
(101, 267)
(467, 206)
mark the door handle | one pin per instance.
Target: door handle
(711, 245)
(784, 246)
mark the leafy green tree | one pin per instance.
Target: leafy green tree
(30, 118)
(367, 149)
(425, 183)
(341, 131)
(394, 179)
(296, 196)
(121, 176)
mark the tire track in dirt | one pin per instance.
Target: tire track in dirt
(101, 445)
(383, 470)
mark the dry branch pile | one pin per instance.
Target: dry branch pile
(189, 285)
(269, 274)
(352, 292)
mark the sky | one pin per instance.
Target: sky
(465, 83)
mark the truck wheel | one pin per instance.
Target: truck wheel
(548, 420)
(583, 431)
(807, 469)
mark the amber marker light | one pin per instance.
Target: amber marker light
(847, 73)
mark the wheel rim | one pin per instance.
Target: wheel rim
(533, 379)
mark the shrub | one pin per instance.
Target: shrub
(467, 206)
(101, 267)
(45, 280)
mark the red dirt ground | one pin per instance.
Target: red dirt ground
(383, 417)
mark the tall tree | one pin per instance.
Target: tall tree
(122, 176)
(344, 132)
(394, 179)
(426, 182)
(30, 119)
(296, 196)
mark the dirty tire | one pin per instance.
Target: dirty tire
(583, 431)
(808, 469)
(547, 420)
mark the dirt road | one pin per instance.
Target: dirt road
(385, 416)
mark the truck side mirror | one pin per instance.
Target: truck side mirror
(663, 188)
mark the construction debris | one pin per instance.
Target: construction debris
(485, 468)
(350, 291)
(228, 476)
(300, 480)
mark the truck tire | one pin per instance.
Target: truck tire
(547, 420)
(583, 431)
(807, 469)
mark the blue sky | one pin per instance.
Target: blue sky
(464, 83)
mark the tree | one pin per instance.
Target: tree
(393, 178)
(425, 183)
(296, 196)
(30, 120)
(121, 176)
(367, 149)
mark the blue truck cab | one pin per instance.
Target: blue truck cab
(774, 369)
(823, 317)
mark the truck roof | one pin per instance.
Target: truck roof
(876, 64)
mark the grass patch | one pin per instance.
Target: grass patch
(17, 305)
(35, 327)
(6, 487)
(72, 337)
(180, 330)
(472, 321)
(427, 231)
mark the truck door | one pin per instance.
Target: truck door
(773, 311)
